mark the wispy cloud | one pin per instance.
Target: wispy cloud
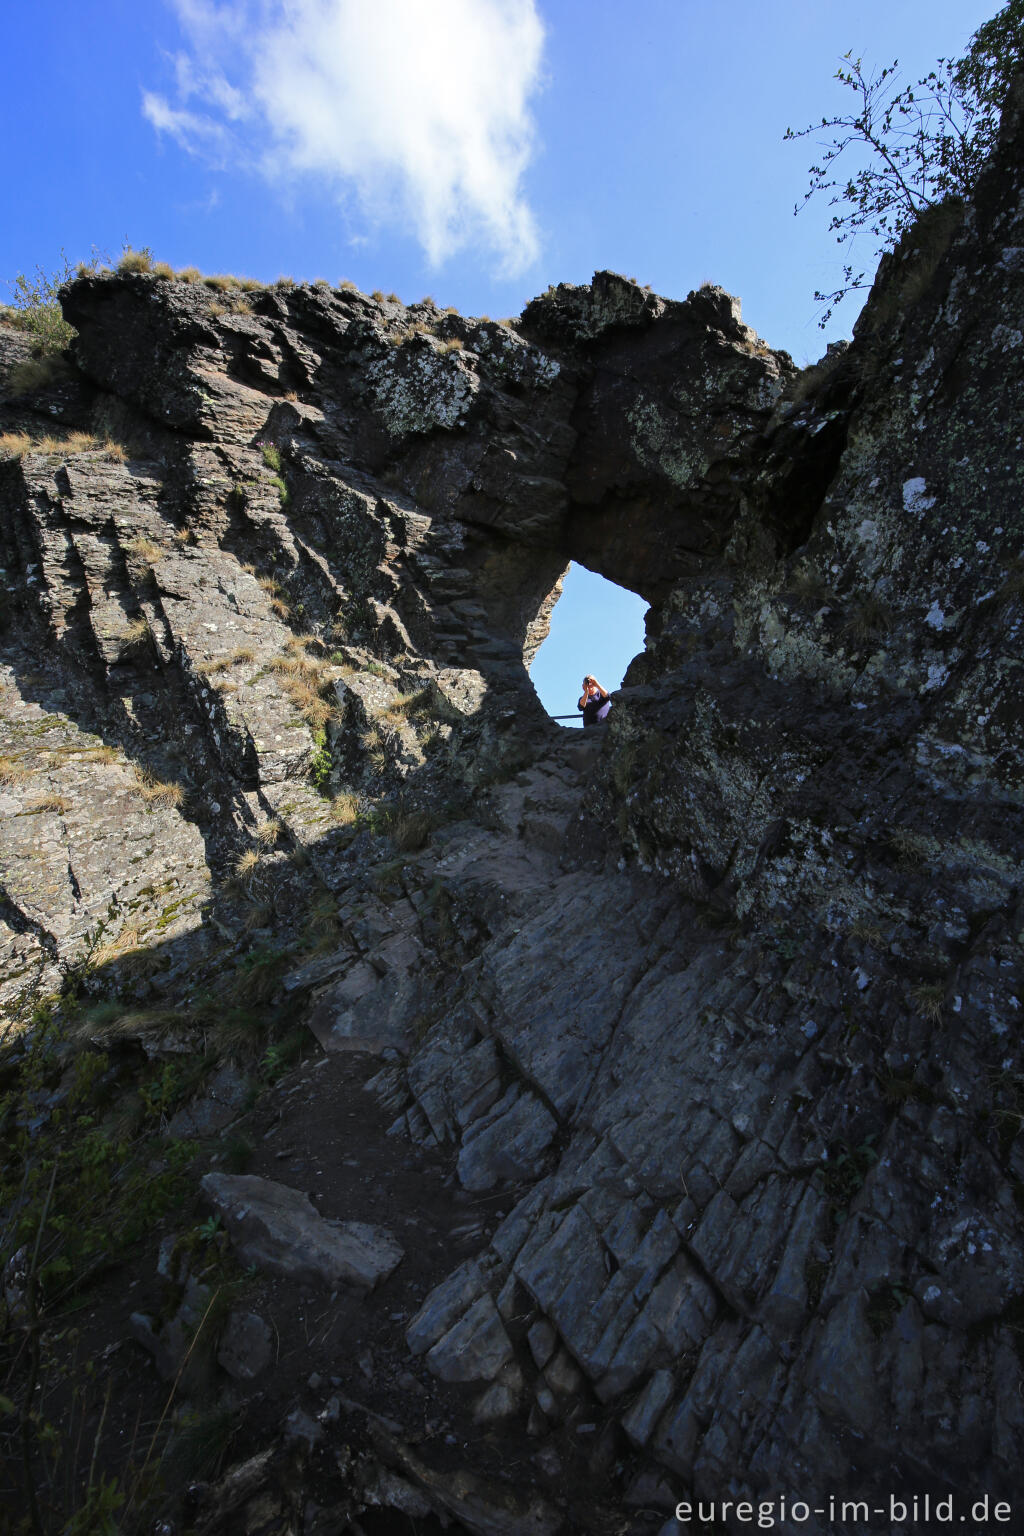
(418, 108)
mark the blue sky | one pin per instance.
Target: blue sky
(476, 150)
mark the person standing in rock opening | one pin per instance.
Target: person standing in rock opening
(593, 701)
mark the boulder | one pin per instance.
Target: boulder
(278, 1229)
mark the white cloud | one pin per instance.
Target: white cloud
(418, 107)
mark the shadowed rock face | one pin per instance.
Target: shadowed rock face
(722, 1002)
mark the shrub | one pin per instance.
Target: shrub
(35, 301)
(922, 145)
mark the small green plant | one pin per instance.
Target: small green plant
(271, 456)
(321, 766)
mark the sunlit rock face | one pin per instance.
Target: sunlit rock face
(720, 1004)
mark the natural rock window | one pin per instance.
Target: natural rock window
(597, 627)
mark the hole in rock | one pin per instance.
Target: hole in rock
(596, 627)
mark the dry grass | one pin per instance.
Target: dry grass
(250, 285)
(247, 863)
(35, 373)
(59, 805)
(1012, 589)
(928, 999)
(143, 1022)
(101, 755)
(810, 588)
(347, 286)
(405, 707)
(372, 743)
(911, 848)
(219, 309)
(345, 808)
(284, 281)
(135, 261)
(453, 344)
(869, 619)
(189, 275)
(409, 831)
(137, 637)
(156, 791)
(868, 933)
(163, 270)
(417, 328)
(243, 656)
(12, 772)
(268, 834)
(378, 294)
(136, 959)
(20, 442)
(143, 548)
(303, 685)
(115, 452)
(278, 598)
(221, 282)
